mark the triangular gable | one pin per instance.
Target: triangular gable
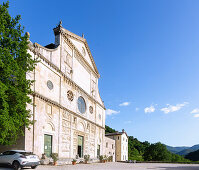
(82, 49)
(80, 43)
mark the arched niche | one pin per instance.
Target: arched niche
(81, 126)
(49, 127)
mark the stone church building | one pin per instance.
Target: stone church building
(69, 114)
(68, 111)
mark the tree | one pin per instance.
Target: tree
(109, 130)
(135, 149)
(15, 63)
(157, 152)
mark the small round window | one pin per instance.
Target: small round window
(81, 104)
(50, 84)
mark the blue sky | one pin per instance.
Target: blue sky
(147, 53)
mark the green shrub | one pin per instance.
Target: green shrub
(54, 156)
(86, 157)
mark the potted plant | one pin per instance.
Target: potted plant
(74, 161)
(101, 158)
(110, 158)
(105, 158)
(86, 158)
(55, 158)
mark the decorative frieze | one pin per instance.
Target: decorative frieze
(66, 115)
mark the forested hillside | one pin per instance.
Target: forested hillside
(144, 151)
(194, 156)
(109, 130)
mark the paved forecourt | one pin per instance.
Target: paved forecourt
(116, 165)
(126, 166)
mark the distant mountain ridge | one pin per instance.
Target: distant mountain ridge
(182, 150)
(176, 149)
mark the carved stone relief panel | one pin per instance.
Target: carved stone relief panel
(86, 143)
(68, 59)
(88, 127)
(93, 129)
(92, 144)
(83, 51)
(86, 137)
(65, 143)
(65, 147)
(65, 123)
(70, 95)
(91, 109)
(74, 122)
(93, 88)
(49, 110)
(75, 145)
(65, 130)
(66, 115)
(64, 138)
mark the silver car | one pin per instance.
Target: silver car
(19, 159)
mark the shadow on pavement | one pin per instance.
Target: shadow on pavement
(180, 168)
(5, 167)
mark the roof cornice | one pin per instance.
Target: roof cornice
(116, 133)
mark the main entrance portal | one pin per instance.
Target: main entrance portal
(48, 145)
(80, 146)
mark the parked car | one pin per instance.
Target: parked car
(19, 159)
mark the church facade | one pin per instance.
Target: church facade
(69, 114)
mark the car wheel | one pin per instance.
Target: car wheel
(33, 167)
(16, 165)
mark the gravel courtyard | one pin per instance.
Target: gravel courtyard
(122, 166)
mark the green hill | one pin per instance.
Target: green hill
(193, 156)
